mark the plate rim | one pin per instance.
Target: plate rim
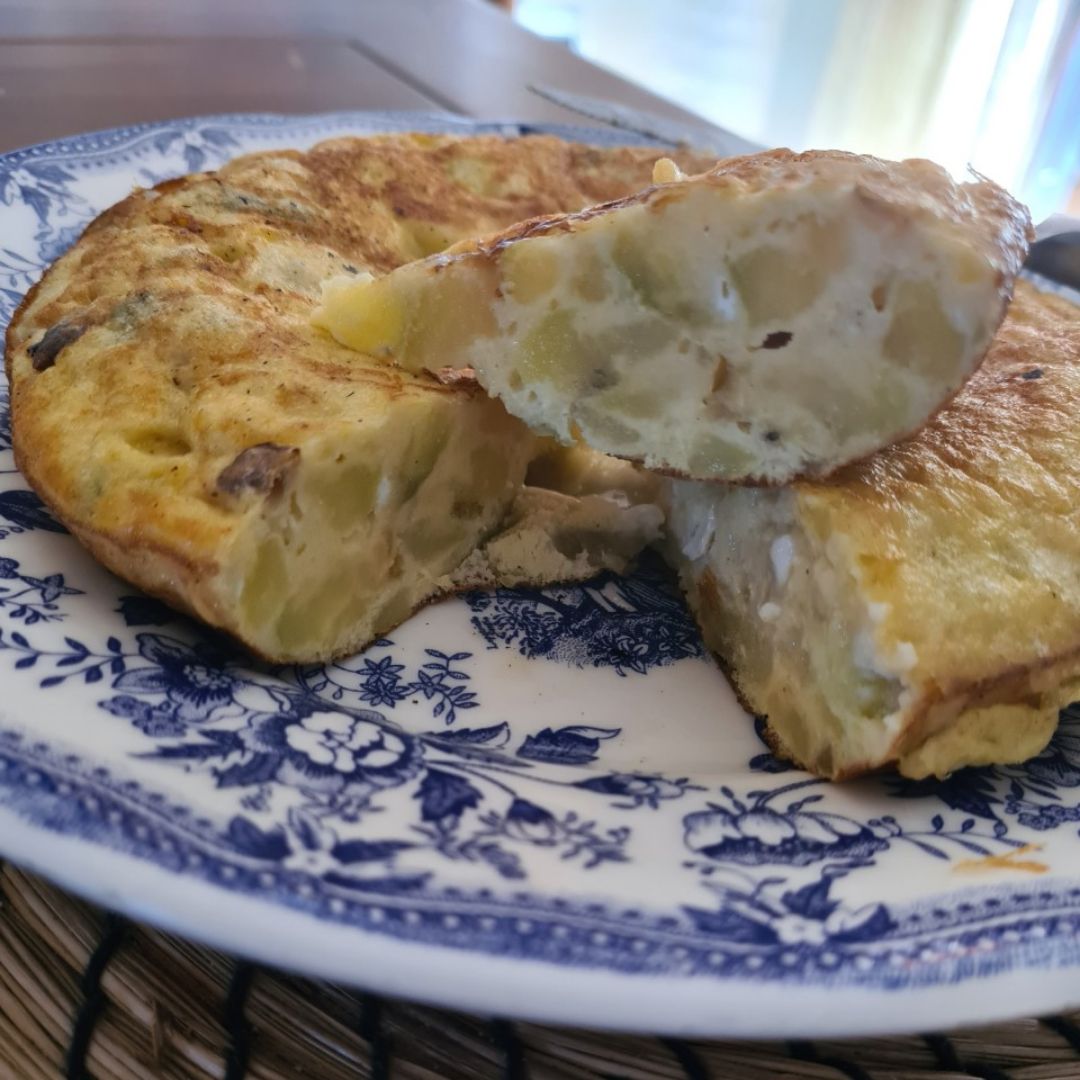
(678, 1006)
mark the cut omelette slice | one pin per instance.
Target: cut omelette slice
(921, 607)
(778, 316)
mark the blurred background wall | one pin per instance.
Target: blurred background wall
(990, 84)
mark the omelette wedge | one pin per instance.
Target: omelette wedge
(174, 406)
(922, 607)
(779, 315)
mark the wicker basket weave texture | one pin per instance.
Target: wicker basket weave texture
(88, 995)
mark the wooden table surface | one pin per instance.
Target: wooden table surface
(68, 66)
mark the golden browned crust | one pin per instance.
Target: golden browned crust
(968, 529)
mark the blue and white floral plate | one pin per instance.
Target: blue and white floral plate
(534, 804)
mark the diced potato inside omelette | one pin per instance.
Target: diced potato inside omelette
(384, 501)
(778, 316)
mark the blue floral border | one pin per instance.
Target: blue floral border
(971, 935)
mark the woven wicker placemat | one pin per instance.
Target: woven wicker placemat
(85, 994)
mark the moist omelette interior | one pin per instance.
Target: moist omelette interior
(778, 315)
(174, 406)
